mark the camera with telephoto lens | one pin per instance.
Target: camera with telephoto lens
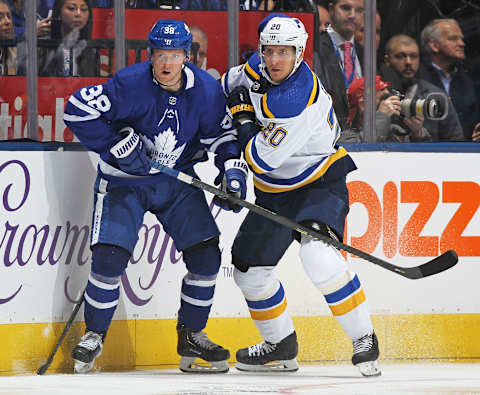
(434, 107)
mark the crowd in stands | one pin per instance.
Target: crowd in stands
(420, 51)
(437, 75)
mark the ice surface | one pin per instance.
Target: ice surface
(404, 378)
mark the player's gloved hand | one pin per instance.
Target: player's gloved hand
(131, 154)
(234, 181)
(240, 105)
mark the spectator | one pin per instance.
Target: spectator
(72, 24)
(402, 61)
(128, 3)
(180, 4)
(212, 4)
(8, 54)
(340, 58)
(324, 18)
(199, 56)
(164, 4)
(360, 32)
(443, 43)
(199, 51)
(44, 7)
(388, 106)
(285, 5)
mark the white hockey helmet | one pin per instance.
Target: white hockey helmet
(283, 31)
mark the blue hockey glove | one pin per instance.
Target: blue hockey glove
(234, 181)
(240, 106)
(131, 154)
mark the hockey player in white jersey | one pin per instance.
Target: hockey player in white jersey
(288, 130)
(170, 111)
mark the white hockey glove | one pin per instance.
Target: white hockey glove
(234, 181)
(131, 154)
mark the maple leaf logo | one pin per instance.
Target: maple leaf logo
(163, 149)
(166, 141)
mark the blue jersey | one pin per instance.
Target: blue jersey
(176, 128)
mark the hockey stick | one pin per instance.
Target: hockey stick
(436, 265)
(42, 369)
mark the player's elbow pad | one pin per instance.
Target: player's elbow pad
(246, 131)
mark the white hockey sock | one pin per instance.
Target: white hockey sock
(266, 302)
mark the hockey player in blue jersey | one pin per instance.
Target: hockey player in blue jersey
(165, 110)
(288, 130)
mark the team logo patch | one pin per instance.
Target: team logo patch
(172, 100)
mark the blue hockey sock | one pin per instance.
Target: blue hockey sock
(101, 299)
(196, 300)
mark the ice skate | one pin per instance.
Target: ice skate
(268, 357)
(196, 345)
(365, 355)
(89, 348)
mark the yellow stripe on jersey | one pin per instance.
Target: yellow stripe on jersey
(265, 109)
(249, 159)
(348, 305)
(313, 177)
(251, 72)
(269, 314)
(314, 90)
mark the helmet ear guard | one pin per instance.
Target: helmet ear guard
(283, 31)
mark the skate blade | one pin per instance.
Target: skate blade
(188, 365)
(83, 367)
(369, 369)
(289, 365)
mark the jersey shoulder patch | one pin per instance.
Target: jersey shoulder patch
(291, 97)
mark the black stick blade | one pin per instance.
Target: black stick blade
(42, 369)
(443, 262)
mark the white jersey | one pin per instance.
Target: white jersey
(296, 145)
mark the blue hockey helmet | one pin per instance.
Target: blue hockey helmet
(170, 34)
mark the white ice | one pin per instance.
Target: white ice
(403, 378)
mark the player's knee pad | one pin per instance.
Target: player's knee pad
(203, 258)
(109, 260)
(257, 283)
(323, 263)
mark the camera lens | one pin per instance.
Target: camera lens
(434, 106)
(433, 109)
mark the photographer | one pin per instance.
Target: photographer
(388, 105)
(400, 70)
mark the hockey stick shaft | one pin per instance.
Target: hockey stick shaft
(42, 369)
(436, 265)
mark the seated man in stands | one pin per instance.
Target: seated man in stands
(402, 61)
(442, 41)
